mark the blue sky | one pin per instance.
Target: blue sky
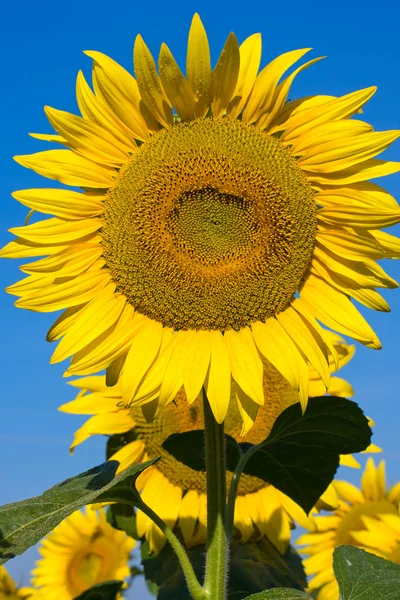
(41, 44)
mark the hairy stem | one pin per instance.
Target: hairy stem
(217, 545)
(193, 584)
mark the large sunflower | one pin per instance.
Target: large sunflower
(82, 551)
(366, 517)
(260, 508)
(217, 221)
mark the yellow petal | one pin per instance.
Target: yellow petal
(246, 364)
(295, 107)
(274, 343)
(91, 404)
(119, 90)
(149, 83)
(130, 454)
(336, 311)
(347, 460)
(346, 151)
(198, 67)
(250, 57)
(172, 379)
(72, 261)
(88, 138)
(49, 137)
(188, 514)
(107, 424)
(247, 407)
(279, 100)
(264, 87)
(225, 76)
(93, 109)
(76, 291)
(175, 85)
(53, 230)
(107, 347)
(61, 203)
(218, 380)
(144, 348)
(97, 316)
(333, 130)
(63, 323)
(354, 216)
(307, 340)
(340, 387)
(21, 248)
(369, 169)
(196, 363)
(243, 520)
(337, 108)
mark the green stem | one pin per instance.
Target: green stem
(193, 584)
(230, 511)
(217, 547)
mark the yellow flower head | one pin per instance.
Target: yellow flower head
(260, 508)
(217, 221)
(82, 551)
(8, 589)
(367, 518)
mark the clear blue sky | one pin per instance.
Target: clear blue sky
(41, 46)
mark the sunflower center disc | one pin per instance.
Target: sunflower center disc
(211, 225)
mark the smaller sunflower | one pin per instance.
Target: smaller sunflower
(82, 551)
(367, 518)
(260, 508)
(8, 588)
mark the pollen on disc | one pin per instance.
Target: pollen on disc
(211, 225)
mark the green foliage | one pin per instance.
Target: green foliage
(300, 456)
(23, 524)
(279, 594)
(364, 576)
(254, 566)
(102, 591)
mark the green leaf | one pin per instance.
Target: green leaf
(23, 524)
(122, 516)
(279, 594)
(254, 566)
(301, 455)
(102, 591)
(364, 576)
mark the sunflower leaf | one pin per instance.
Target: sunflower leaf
(23, 524)
(102, 591)
(279, 594)
(365, 576)
(302, 452)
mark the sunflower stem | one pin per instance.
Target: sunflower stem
(233, 488)
(195, 589)
(217, 543)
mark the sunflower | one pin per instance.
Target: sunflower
(366, 517)
(260, 508)
(82, 551)
(8, 589)
(217, 221)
